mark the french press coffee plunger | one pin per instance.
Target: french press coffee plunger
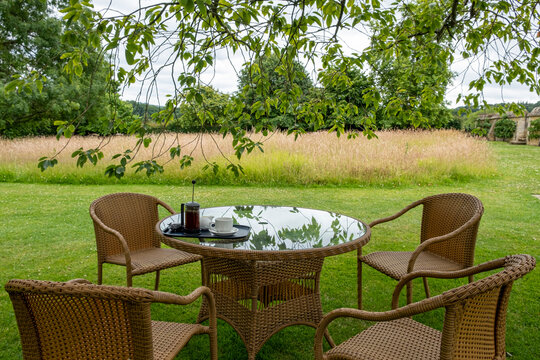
(190, 214)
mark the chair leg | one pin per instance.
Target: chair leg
(409, 292)
(213, 346)
(156, 287)
(99, 273)
(471, 278)
(329, 339)
(426, 287)
(359, 274)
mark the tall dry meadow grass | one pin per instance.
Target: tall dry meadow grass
(394, 157)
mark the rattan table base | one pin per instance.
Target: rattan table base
(259, 298)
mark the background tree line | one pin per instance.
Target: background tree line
(33, 38)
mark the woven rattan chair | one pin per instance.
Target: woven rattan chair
(124, 224)
(447, 240)
(474, 324)
(79, 320)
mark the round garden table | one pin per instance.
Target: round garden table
(270, 279)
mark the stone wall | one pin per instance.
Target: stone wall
(521, 136)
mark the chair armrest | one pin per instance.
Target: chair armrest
(168, 298)
(166, 206)
(117, 234)
(490, 265)
(396, 215)
(476, 218)
(406, 311)
(78, 281)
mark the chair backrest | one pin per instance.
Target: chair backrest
(81, 321)
(475, 320)
(132, 215)
(444, 213)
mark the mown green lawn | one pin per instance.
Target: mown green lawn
(46, 233)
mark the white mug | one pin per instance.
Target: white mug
(223, 224)
(206, 221)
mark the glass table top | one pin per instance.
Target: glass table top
(275, 228)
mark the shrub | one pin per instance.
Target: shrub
(504, 128)
(534, 129)
(482, 128)
(454, 122)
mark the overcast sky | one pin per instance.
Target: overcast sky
(224, 78)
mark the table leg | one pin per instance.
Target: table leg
(359, 277)
(259, 298)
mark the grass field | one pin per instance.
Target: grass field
(46, 233)
(394, 158)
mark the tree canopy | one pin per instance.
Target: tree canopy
(268, 72)
(406, 39)
(30, 42)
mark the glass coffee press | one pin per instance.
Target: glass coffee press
(190, 214)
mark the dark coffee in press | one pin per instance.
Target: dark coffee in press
(192, 224)
(190, 213)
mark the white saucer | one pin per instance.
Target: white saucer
(233, 231)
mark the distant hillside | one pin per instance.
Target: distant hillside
(141, 109)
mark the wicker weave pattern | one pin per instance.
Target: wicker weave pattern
(441, 215)
(127, 214)
(475, 321)
(149, 260)
(169, 338)
(85, 321)
(259, 298)
(124, 225)
(374, 343)
(474, 325)
(447, 240)
(394, 264)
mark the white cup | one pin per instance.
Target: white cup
(223, 224)
(206, 221)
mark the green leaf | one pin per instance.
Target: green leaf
(117, 171)
(78, 69)
(39, 85)
(130, 58)
(77, 152)
(12, 85)
(27, 89)
(81, 160)
(68, 131)
(189, 5)
(45, 163)
(175, 151)
(185, 161)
